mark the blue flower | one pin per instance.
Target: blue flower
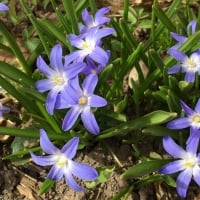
(58, 76)
(191, 29)
(3, 109)
(188, 65)
(80, 101)
(89, 45)
(90, 22)
(192, 118)
(3, 7)
(187, 164)
(62, 162)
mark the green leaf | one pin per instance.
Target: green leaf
(169, 180)
(145, 24)
(15, 48)
(104, 174)
(143, 168)
(48, 183)
(150, 119)
(15, 74)
(164, 19)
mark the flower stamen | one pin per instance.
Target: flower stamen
(83, 100)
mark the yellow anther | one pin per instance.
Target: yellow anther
(61, 161)
(196, 119)
(58, 80)
(191, 64)
(82, 100)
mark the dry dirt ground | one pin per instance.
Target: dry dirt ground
(23, 182)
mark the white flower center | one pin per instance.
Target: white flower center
(87, 47)
(190, 160)
(61, 161)
(192, 63)
(83, 100)
(195, 120)
(58, 80)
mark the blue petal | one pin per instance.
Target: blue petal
(179, 38)
(44, 85)
(74, 69)
(83, 171)
(178, 55)
(46, 144)
(70, 58)
(42, 160)
(99, 55)
(189, 77)
(75, 41)
(174, 69)
(56, 58)
(43, 67)
(197, 107)
(99, 16)
(89, 83)
(172, 148)
(104, 32)
(172, 167)
(97, 101)
(186, 108)
(3, 7)
(70, 118)
(72, 183)
(179, 123)
(183, 182)
(196, 174)
(70, 148)
(193, 141)
(86, 17)
(192, 26)
(55, 173)
(51, 101)
(89, 121)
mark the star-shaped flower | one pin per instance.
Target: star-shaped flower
(62, 163)
(80, 101)
(187, 164)
(58, 75)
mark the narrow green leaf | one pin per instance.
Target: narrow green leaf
(15, 74)
(143, 168)
(15, 48)
(70, 11)
(164, 19)
(48, 183)
(150, 119)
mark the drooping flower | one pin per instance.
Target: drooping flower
(89, 46)
(58, 76)
(90, 22)
(62, 162)
(3, 109)
(187, 163)
(188, 65)
(80, 101)
(3, 7)
(191, 29)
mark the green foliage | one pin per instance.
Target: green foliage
(136, 113)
